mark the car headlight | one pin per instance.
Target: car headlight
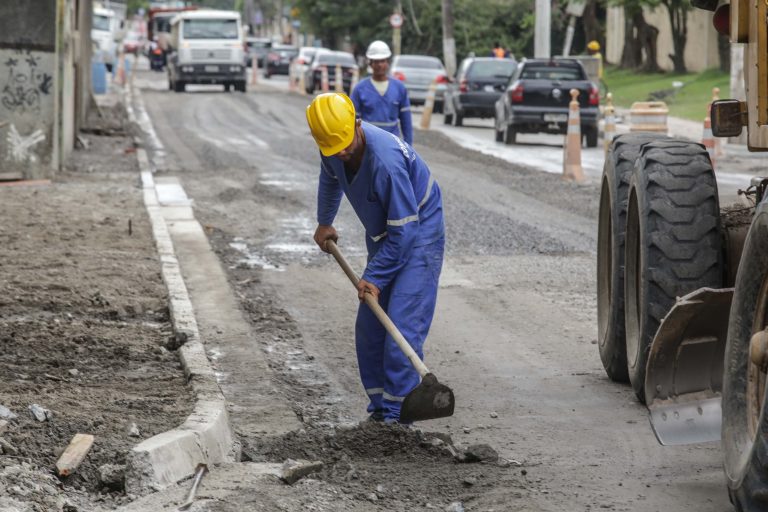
(187, 69)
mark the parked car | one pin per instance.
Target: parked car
(417, 72)
(537, 96)
(258, 45)
(329, 59)
(300, 63)
(279, 59)
(479, 83)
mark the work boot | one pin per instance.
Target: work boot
(376, 416)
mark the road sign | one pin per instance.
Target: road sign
(396, 20)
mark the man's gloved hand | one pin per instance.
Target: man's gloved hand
(323, 233)
(364, 287)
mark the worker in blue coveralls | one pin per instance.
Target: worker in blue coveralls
(382, 100)
(400, 206)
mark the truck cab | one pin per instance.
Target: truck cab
(206, 47)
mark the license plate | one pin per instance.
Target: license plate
(211, 69)
(488, 88)
(555, 118)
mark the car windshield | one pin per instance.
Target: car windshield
(100, 22)
(210, 29)
(419, 62)
(162, 23)
(499, 68)
(286, 52)
(551, 73)
(345, 59)
(258, 44)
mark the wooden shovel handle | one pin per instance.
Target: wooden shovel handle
(379, 311)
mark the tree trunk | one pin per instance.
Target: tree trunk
(591, 24)
(631, 54)
(724, 52)
(678, 20)
(647, 35)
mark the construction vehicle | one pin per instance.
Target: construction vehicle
(683, 284)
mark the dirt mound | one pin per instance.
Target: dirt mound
(393, 466)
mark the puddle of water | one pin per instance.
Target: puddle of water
(253, 259)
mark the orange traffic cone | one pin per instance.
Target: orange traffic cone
(708, 139)
(429, 105)
(302, 85)
(254, 69)
(120, 73)
(338, 79)
(609, 127)
(324, 79)
(572, 148)
(291, 80)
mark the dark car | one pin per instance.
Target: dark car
(259, 46)
(537, 96)
(279, 59)
(479, 83)
(329, 59)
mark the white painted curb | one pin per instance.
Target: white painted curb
(206, 436)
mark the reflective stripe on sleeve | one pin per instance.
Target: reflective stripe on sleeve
(430, 184)
(405, 109)
(374, 391)
(383, 123)
(403, 221)
(392, 398)
(379, 237)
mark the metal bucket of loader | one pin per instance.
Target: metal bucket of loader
(684, 376)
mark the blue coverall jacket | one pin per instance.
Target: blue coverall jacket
(390, 111)
(399, 203)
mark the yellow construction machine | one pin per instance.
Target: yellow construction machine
(683, 283)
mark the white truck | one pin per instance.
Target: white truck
(105, 33)
(206, 47)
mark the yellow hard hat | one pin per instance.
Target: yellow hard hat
(331, 119)
(594, 46)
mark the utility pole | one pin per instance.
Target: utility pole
(449, 43)
(396, 30)
(541, 37)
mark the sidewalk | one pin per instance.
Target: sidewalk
(85, 330)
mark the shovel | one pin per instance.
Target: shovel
(428, 400)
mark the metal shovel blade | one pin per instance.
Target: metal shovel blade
(429, 400)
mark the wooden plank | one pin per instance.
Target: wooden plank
(74, 454)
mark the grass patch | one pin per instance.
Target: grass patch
(688, 102)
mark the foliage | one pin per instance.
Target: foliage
(688, 101)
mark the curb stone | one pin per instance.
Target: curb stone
(207, 435)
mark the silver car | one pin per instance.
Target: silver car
(417, 72)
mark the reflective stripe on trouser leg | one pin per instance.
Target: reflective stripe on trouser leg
(369, 342)
(411, 307)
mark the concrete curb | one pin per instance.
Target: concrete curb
(206, 436)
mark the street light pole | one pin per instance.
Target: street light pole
(449, 43)
(541, 49)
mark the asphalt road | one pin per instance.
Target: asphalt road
(515, 329)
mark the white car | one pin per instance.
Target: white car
(417, 72)
(300, 63)
(104, 32)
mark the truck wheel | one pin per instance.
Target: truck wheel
(745, 417)
(447, 118)
(591, 136)
(673, 242)
(509, 134)
(617, 170)
(179, 86)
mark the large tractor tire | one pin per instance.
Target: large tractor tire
(673, 242)
(617, 170)
(745, 417)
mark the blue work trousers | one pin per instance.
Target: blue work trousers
(409, 300)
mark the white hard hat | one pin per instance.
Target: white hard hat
(378, 50)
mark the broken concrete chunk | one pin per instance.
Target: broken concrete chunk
(74, 372)
(294, 470)
(480, 453)
(456, 506)
(494, 414)
(6, 413)
(112, 476)
(40, 413)
(3, 426)
(133, 430)
(7, 448)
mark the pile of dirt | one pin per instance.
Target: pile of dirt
(83, 328)
(395, 467)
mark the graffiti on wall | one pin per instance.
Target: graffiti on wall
(25, 83)
(20, 146)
